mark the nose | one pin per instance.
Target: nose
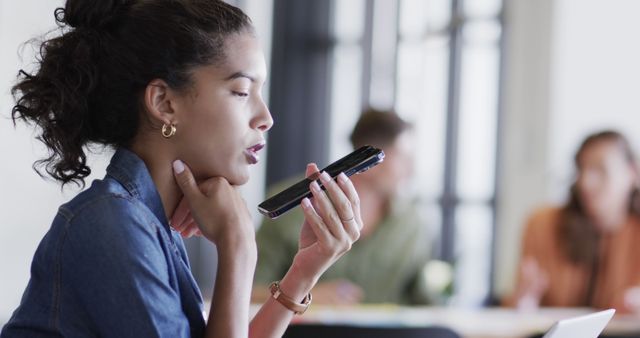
(263, 119)
(590, 182)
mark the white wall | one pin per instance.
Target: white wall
(596, 76)
(573, 67)
(27, 202)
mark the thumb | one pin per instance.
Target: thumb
(185, 180)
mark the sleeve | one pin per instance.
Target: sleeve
(531, 245)
(277, 242)
(117, 266)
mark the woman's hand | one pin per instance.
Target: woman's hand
(631, 301)
(534, 282)
(337, 292)
(182, 221)
(332, 223)
(219, 211)
(223, 218)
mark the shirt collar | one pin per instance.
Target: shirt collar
(129, 169)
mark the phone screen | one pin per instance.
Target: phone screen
(361, 160)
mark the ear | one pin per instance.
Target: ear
(158, 102)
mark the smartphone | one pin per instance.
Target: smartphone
(359, 161)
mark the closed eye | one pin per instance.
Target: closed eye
(240, 94)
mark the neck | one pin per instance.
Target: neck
(159, 164)
(612, 220)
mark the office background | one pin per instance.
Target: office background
(500, 93)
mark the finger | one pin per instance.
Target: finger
(180, 227)
(190, 230)
(339, 200)
(325, 209)
(312, 170)
(315, 221)
(350, 191)
(353, 227)
(330, 216)
(181, 214)
(186, 181)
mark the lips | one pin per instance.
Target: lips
(252, 153)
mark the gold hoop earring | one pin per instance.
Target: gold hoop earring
(168, 131)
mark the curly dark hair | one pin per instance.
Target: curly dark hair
(90, 79)
(577, 232)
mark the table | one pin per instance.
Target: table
(470, 323)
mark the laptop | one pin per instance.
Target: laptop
(588, 326)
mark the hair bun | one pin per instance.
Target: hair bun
(89, 14)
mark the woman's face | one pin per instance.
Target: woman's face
(222, 119)
(605, 178)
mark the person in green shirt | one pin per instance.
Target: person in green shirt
(386, 264)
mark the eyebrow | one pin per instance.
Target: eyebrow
(238, 75)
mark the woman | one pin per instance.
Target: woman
(175, 88)
(586, 253)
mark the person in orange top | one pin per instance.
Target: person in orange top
(587, 252)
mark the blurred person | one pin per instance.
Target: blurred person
(587, 253)
(386, 264)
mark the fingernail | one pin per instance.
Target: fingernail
(315, 186)
(343, 178)
(324, 177)
(178, 166)
(306, 203)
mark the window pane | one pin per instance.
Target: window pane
(482, 32)
(422, 99)
(345, 94)
(478, 122)
(482, 8)
(349, 19)
(383, 54)
(473, 253)
(417, 16)
(413, 17)
(346, 77)
(431, 212)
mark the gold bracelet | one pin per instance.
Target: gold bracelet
(288, 302)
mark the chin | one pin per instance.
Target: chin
(239, 182)
(240, 177)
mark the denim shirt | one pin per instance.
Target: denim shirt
(110, 266)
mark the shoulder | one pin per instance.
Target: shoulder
(106, 219)
(108, 212)
(407, 214)
(541, 229)
(107, 203)
(545, 217)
